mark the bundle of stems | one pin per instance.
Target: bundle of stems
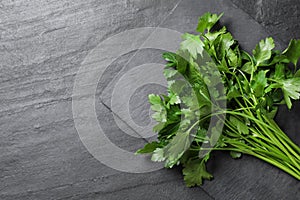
(222, 98)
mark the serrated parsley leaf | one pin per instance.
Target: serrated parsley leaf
(160, 114)
(247, 67)
(176, 148)
(263, 50)
(169, 73)
(293, 51)
(213, 35)
(154, 99)
(259, 83)
(291, 90)
(158, 155)
(207, 21)
(192, 44)
(174, 99)
(195, 172)
(279, 71)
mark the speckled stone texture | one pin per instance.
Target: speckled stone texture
(42, 46)
(279, 18)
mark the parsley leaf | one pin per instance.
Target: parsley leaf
(149, 148)
(207, 21)
(192, 44)
(176, 148)
(158, 155)
(263, 51)
(291, 90)
(293, 51)
(194, 172)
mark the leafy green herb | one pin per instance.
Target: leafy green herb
(263, 51)
(208, 69)
(293, 51)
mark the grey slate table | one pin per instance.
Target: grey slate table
(43, 44)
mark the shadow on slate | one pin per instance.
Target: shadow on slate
(42, 46)
(246, 178)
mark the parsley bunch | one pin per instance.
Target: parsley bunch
(222, 98)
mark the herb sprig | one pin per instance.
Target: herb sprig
(253, 86)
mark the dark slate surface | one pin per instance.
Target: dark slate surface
(280, 18)
(42, 46)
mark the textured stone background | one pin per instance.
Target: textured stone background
(42, 46)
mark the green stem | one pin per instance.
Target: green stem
(279, 165)
(283, 135)
(280, 143)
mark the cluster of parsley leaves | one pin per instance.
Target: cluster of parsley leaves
(253, 87)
